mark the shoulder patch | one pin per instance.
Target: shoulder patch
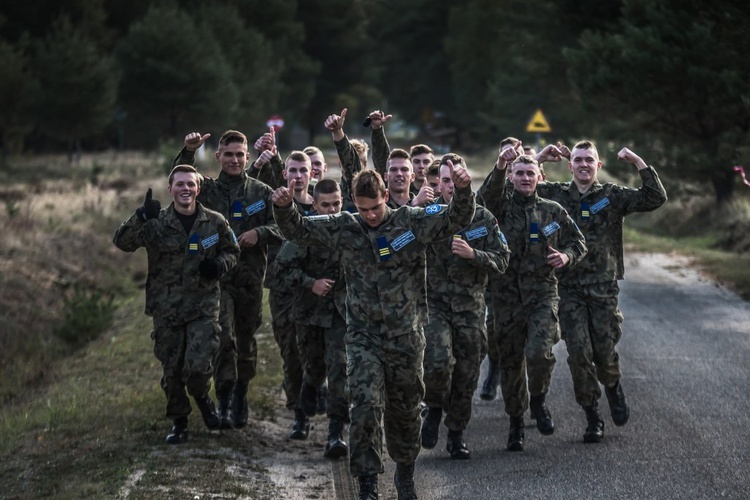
(434, 209)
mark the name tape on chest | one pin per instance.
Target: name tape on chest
(550, 228)
(599, 205)
(403, 240)
(255, 207)
(476, 233)
(212, 240)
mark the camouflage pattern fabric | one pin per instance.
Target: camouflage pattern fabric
(246, 204)
(319, 321)
(525, 300)
(386, 307)
(281, 303)
(589, 317)
(455, 332)
(184, 304)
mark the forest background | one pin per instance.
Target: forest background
(97, 95)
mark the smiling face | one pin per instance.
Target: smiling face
(584, 164)
(184, 190)
(399, 175)
(525, 177)
(232, 158)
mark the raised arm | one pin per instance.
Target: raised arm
(380, 147)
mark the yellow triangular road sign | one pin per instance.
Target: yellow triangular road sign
(538, 123)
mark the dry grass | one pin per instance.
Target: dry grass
(58, 222)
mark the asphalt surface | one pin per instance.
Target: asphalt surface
(685, 355)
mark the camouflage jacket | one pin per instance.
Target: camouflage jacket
(300, 266)
(246, 204)
(458, 283)
(350, 166)
(174, 286)
(273, 280)
(599, 212)
(531, 225)
(384, 267)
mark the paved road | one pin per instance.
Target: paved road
(686, 359)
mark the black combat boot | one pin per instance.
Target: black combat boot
(489, 387)
(516, 435)
(541, 414)
(595, 428)
(336, 446)
(239, 404)
(300, 426)
(456, 446)
(224, 398)
(208, 411)
(368, 487)
(617, 405)
(431, 427)
(403, 479)
(179, 433)
(308, 399)
(322, 400)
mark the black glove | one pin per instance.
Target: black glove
(150, 208)
(210, 268)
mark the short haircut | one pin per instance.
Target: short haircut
(453, 157)
(326, 186)
(525, 159)
(312, 150)
(232, 136)
(586, 144)
(399, 153)
(420, 149)
(368, 184)
(361, 148)
(433, 170)
(187, 169)
(297, 156)
(509, 141)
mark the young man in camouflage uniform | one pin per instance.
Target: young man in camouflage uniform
(406, 188)
(455, 334)
(246, 204)
(590, 320)
(314, 273)
(383, 254)
(542, 238)
(189, 248)
(488, 392)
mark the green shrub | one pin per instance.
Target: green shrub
(88, 313)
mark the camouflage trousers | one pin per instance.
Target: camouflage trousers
(451, 362)
(240, 318)
(526, 330)
(185, 352)
(281, 303)
(493, 352)
(323, 356)
(591, 326)
(384, 384)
